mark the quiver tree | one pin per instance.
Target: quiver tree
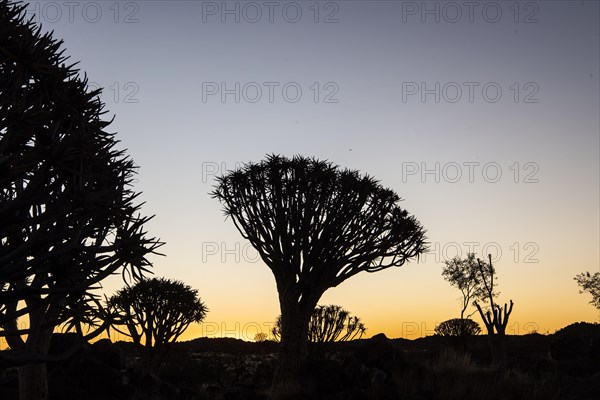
(261, 337)
(458, 331)
(155, 312)
(458, 327)
(496, 317)
(332, 323)
(590, 283)
(68, 213)
(315, 225)
(328, 324)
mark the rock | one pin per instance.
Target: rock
(379, 352)
(380, 337)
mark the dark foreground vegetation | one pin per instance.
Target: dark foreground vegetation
(563, 365)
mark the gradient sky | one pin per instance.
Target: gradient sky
(369, 72)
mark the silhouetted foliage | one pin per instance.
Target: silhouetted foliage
(328, 324)
(315, 225)
(156, 312)
(465, 276)
(458, 327)
(68, 217)
(496, 318)
(261, 337)
(591, 284)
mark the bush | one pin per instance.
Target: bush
(458, 327)
(328, 324)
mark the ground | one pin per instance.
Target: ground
(564, 365)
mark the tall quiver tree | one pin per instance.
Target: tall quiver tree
(315, 225)
(68, 216)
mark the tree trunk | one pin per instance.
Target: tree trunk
(152, 360)
(33, 383)
(293, 347)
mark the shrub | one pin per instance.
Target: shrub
(458, 327)
(329, 324)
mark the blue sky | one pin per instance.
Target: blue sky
(486, 123)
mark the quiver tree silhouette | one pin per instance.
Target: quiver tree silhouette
(261, 337)
(333, 323)
(68, 213)
(155, 313)
(496, 318)
(315, 225)
(327, 324)
(590, 283)
(458, 327)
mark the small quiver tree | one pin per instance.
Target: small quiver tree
(458, 331)
(155, 312)
(327, 324)
(458, 327)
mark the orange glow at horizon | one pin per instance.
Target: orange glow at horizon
(536, 211)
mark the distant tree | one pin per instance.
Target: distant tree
(465, 276)
(458, 327)
(332, 323)
(591, 284)
(328, 324)
(261, 337)
(68, 213)
(156, 312)
(496, 317)
(315, 225)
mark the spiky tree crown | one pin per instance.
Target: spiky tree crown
(315, 224)
(157, 310)
(68, 216)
